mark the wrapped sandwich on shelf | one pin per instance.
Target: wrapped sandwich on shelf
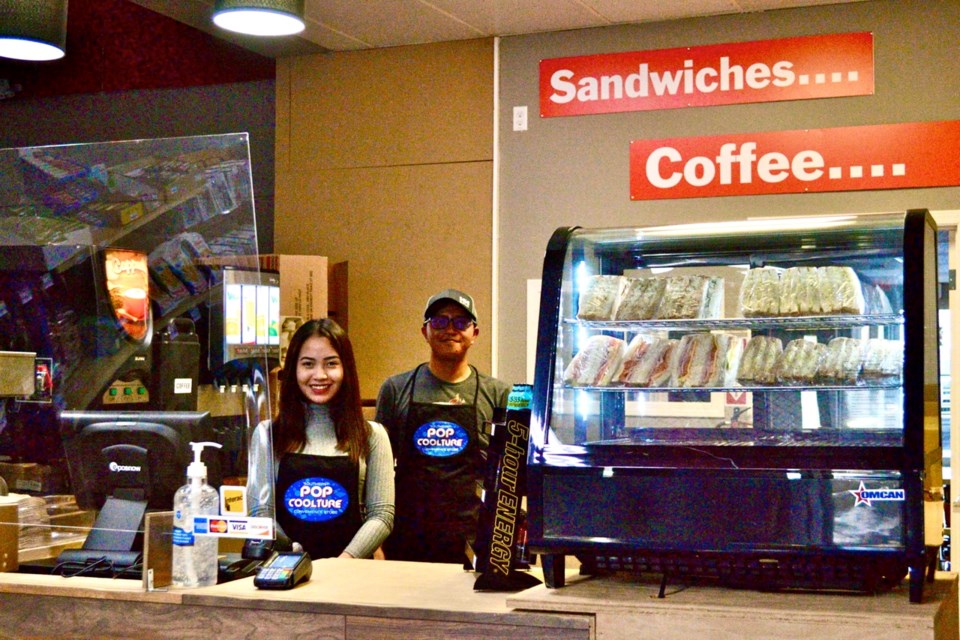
(840, 291)
(876, 300)
(758, 364)
(760, 293)
(596, 363)
(691, 297)
(842, 361)
(882, 358)
(640, 298)
(647, 362)
(800, 292)
(598, 299)
(815, 291)
(800, 361)
(706, 360)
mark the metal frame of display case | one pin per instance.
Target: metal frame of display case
(588, 499)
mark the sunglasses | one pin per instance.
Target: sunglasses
(439, 323)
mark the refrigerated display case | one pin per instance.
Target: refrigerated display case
(754, 403)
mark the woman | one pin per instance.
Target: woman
(333, 469)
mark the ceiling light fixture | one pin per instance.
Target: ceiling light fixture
(260, 17)
(35, 30)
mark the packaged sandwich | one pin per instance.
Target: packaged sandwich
(840, 291)
(758, 364)
(842, 361)
(647, 362)
(691, 297)
(640, 298)
(882, 358)
(706, 360)
(596, 363)
(800, 292)
(760, 293)
(800, 361)
(598, 299)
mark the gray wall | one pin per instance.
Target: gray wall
(574, 170)
(161, 113)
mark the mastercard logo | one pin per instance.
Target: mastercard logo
(218, 526)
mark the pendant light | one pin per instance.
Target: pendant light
(260, 17)
(33, 29)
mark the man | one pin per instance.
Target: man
(435, 414)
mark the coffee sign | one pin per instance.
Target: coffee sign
(891, 156)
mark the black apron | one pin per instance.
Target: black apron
(437, 470)
(318, 502)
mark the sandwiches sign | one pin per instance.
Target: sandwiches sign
(893, 156)
(801, 68)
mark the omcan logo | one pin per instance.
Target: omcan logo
(893, 156)
(799, 68)
(868, 496)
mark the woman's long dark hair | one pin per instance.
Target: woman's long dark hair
(289, 426)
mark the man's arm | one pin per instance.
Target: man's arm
(387, 411)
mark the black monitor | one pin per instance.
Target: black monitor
(124, 463)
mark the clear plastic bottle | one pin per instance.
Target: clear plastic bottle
(194, 557)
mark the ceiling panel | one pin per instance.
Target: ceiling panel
(343, 25)
(512, 17)
(624, 11)
(387, 23)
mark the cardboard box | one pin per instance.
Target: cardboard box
(303, 284)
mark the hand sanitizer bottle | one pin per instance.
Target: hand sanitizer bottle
(194, 557)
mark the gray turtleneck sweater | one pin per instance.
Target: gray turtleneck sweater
(376, 476)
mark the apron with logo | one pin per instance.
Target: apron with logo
(437, 503)
(318, 502)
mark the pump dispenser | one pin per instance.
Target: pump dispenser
(194, 557)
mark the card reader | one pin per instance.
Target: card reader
(284, 570)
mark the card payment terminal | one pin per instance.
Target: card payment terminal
(284, 571)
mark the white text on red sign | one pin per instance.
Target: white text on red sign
(734, 73)
(893, 156)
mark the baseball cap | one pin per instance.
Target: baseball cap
(451, 295)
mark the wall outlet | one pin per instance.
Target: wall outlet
(520, 118)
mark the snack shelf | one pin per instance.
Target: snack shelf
(783, 323)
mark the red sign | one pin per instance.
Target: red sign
(799, 68)
(891, 156)
(736, 397)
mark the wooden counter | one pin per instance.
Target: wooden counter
(366, 599)
(628, 609)
(356, 599)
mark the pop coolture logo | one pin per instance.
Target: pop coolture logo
(734, 73)
(316, 499)
(440, 439)
(894, 156)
